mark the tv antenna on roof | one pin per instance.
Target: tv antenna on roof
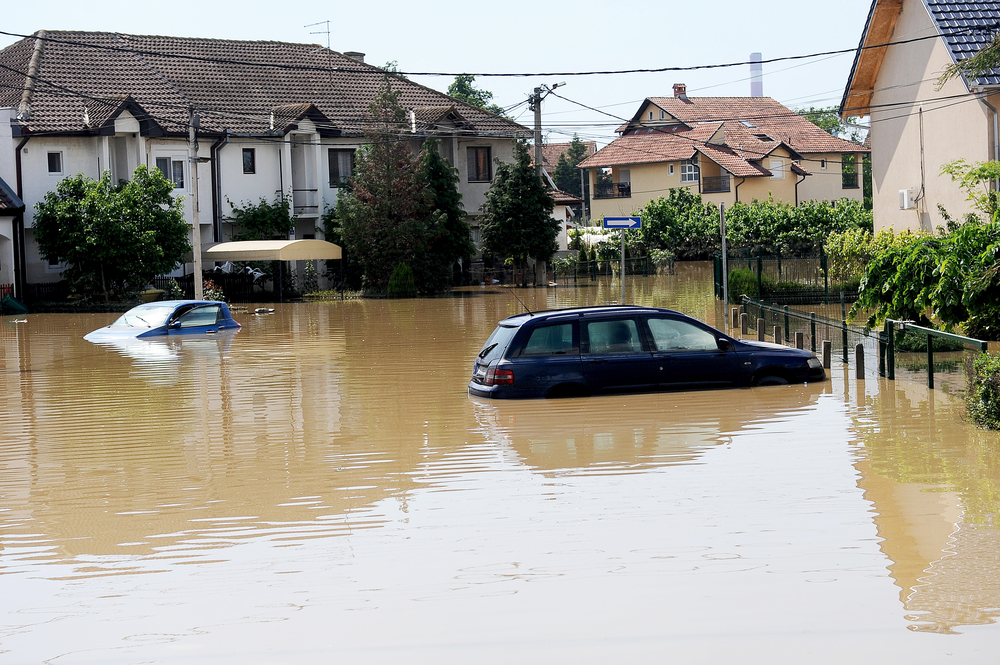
(321, 32)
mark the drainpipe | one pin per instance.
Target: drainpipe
(742, 180)
(217, 186)
(797, 183)
(20, 269)
(996, 137)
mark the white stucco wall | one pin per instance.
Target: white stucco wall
(826, 184)
(951, 128)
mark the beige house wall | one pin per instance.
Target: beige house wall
(651, 181)
(909, 147)
(826, 184)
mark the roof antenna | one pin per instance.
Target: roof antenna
(321, 32)
(520, 301)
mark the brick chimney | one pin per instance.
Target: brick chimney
(680, 90)
(355, 55)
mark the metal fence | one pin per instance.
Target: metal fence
(237, 288)
(784, 280)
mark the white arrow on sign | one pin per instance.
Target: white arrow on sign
(623, 222)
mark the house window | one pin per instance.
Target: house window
(249, 160)
(55, 163)
(689, 170)
(777, 168)
(172, 169)
(670, 169)
(341, 166)
(480, 165)
(650, 115)
(663, 114)
(822, 164)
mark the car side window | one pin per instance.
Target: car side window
(615, 336)
(674, 335)
(200, 316)
(551, 340)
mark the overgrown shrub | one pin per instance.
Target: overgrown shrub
(401, 284)
(173, 291)
(211, 291)
(983, 399)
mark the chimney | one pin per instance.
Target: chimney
(680, 90)
(756, 76)
(355, 55)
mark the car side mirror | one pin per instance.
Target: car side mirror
(174, 324)
(725, 345)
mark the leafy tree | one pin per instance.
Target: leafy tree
(682, 223)
(977, 180)
(386, 218)
(453, 239)
(115, 237)
(826, 118)
(517, 216)
(566, 176)
(464, 90)
(781, 228)
(262, 221)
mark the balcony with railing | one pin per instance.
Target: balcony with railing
(305, 202)
(613, 190)
(714, 184)
(849, 180)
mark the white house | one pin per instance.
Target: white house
(273, 119)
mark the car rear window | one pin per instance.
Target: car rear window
(496, 344)
(550, 340)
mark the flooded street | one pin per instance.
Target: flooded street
(319, 487)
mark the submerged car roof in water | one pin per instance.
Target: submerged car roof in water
(168, 317)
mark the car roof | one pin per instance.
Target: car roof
(596, 310)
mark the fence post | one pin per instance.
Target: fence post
(844, 330)
(788, 331)
(744, 323)
(760, 330)
(735, 317)
(930, 362)
(890, 351)
(812, 331)
(760, 279)
(881, 354)
(827, 353)
(859, 360)
(777, 334)
(800, 341)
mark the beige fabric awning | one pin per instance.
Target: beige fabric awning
(271, 250)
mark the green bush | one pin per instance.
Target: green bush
(743, 282)
(401, 284)
(983, 400)
(914, 340)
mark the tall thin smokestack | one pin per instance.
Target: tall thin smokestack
(756, 76)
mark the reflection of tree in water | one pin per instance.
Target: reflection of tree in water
(935, 485)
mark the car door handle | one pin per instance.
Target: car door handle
(596, 361)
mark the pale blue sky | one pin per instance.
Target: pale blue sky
(522, 36)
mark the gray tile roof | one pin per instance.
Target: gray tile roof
(10, 204)
(977, 22)
(234, 85)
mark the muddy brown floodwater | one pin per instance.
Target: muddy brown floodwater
(320, 488)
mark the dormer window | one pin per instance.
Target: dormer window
(763, 137)
(650, 115)
(663, 114)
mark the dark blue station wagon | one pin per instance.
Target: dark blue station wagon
(583, 351)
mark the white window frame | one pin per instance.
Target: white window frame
(650, 115)
(173, 158)
(689, 170)
(777, 169)
(62, 162)
(822, 164)
(670, 169)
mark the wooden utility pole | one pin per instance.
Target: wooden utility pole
(193, 123)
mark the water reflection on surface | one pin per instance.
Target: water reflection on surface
(322, 484)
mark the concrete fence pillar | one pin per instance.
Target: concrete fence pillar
(760, 330)
(800, 340)
(744, 323)
(859, 361)
(736, 317)
(777, 334)
(827, 353)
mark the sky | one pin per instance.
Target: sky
(549, 40)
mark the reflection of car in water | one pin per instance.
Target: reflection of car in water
(617, 349)
(170, 317)
(608, 434)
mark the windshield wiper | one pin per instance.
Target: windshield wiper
(482, 354)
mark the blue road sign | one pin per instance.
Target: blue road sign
(623, 222)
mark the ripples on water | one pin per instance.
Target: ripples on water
(321, 484)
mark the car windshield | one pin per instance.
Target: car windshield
(145, 316)
(496, 344)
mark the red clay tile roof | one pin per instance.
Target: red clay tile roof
(551, 152)
(767, 116)
(564, 198)
(233, 85)
(649, 146)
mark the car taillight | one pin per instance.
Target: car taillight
(499, 377)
